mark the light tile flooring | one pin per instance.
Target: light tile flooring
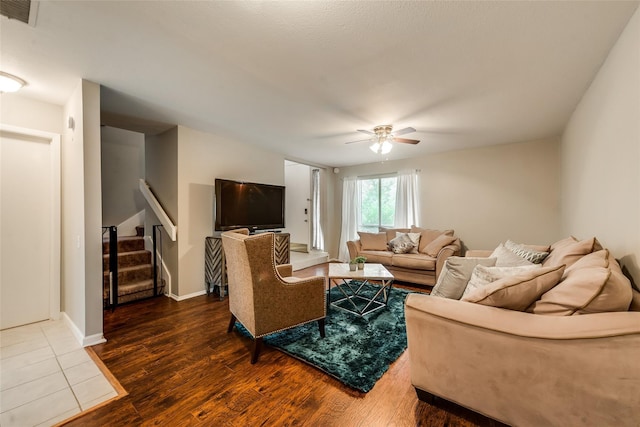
(46, 376)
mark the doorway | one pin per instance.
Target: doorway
(29, 226)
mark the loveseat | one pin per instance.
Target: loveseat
(570, 358)
(419, 261)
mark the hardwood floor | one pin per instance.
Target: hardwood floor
(181, 368)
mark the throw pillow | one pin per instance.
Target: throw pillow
(569, 250)
(481, 275)
(594, 284)
(455, 275)
(526, 252)
(433, 248)
(427, 236)
(373, 241)
(393, 232)
(506, 258)
(517, 292)
(402, 244)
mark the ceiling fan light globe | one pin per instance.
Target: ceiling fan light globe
(385, 147)
(375, 147)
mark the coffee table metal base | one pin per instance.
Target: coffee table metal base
(353, 294)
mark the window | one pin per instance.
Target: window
(377, 203)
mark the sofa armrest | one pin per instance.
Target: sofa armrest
(478, 253)
(285, 270)
(354, 246)
(449, 250)
(526, 369)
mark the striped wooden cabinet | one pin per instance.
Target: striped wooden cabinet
(215, 270)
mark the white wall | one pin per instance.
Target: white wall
(203, 157)
(82, 213)
(298, 194)
(122, 167)
(487, 195)
(28, 113)
(600, 155)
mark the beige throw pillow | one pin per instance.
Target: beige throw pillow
(569, 250)
(517, 292)
(455, 275)
(506, 258)
(526, 252)
(427, 236)
(392, 233)
(483, 275)
(593, 284)
(373, 241)
(433, 248)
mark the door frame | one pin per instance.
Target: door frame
(54, 252)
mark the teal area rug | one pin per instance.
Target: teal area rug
(357, 350)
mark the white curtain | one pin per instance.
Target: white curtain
(350, 215)
(317, 239)
(407, 203)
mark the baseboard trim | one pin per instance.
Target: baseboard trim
(184, 297)
(84, 341)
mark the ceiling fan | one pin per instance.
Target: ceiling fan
(383, 135)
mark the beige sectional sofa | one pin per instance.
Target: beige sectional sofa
(422, 265)
(569, 359)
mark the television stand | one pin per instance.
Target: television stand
(215, 266)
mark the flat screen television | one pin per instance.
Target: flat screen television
(248, 204)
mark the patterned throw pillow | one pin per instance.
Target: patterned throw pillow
(523, 251)
(402, 244)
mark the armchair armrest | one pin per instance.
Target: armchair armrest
(446, 252)
(526, 369)
(354, 246)
(285, 270)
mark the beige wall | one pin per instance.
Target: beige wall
(28, 113)
(203, 157)
(600, 155)
(487, 195)
(122, 167)
(82, 212)
(161, 173)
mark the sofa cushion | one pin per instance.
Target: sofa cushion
(378, 257)
(414, 261)
(373, 241)
(526, 252)
(593, 284)
(427, 236)
(506, 258)
(569, 250)
(455, 275)
(484, 275)
(392, 233)
(519, 291)
(433, 248)
(403, 244)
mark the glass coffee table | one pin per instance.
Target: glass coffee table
(357, 296)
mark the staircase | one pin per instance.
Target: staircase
(135, 270)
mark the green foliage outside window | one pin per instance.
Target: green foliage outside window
(378, 203)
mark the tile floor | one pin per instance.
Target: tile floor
(46, 376)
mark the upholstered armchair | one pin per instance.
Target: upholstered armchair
(263, 296)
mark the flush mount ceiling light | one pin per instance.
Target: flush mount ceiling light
(10, 83)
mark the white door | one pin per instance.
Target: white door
(27, 229)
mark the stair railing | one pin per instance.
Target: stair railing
(155, 236)
(113, 265)
(169, 227)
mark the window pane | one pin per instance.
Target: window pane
(369, 210)
(388, 201)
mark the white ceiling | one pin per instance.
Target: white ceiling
(299, 77)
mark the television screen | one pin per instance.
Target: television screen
(248, 204)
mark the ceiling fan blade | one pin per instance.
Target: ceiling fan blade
(360, 140)
(403, 131)
(406, 141)
(368, 132)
